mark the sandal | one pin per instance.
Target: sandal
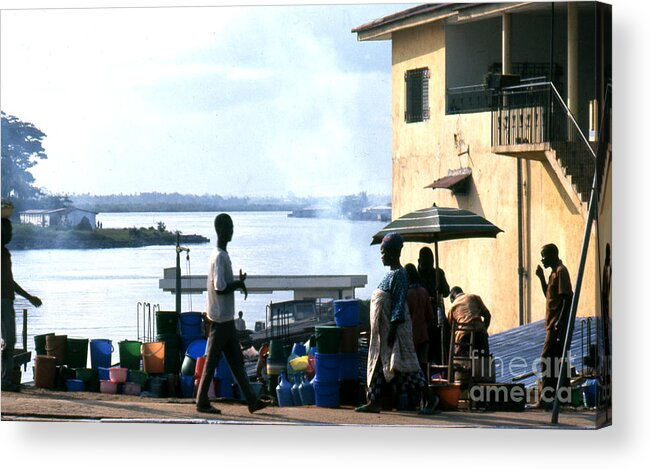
(370, 408)
(208, 409)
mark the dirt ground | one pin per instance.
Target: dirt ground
(36, 404)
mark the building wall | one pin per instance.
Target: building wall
(424, 151)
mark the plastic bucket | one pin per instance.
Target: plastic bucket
(103, 373)
(191, 324)
(186, 341)
(349, 340)
(327, 339)
(326, 394)
(198, 368)
(55, 346)
(196, 348)
(348, 366)
(76, 352)
(39, 343)
(45, 368)
(75, 385)
(167, 322)
(137, 376)
(223, 371)
(85, 374)
(590, 393)
(327, 367)
(172, 358)
(130, 354)
(100, 353)
(299, 349)
(153, 357)
(448, 395)
(188, 366)
(226, 390)
(132, 389)
(108, 387)
(347, 312)
(187, 385)
(118, 375)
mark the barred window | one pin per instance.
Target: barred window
(417, 95)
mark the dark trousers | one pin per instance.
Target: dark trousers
(9, 338)
(551, 355)
(222, 339)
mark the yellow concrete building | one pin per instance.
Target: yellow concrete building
(507, 99)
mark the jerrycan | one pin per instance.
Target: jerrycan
(284, 391)
(306, 390)
(296, 396)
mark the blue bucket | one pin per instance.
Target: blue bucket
(326, 394)
(100, 353)
(187, 385)
(191, 324)
(103, 373)
(186, 341)
(327, 367)
(347, 312)
(196, 348)
(590, 393)
(348, 366)
(75, 385)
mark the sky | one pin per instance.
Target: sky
(229, 100)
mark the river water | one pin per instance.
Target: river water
(94, 293)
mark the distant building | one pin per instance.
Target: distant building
(70, 216)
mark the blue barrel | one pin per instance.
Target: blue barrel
(100, 353)
(187, 385)
(347, 312)
(327, 367)
(326, 394)
(348, 366)
(191, 324)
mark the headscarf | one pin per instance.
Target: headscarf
(392, 241)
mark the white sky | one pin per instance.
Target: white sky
(229, 100)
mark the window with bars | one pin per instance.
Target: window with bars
(417, 95)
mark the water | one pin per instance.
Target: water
(94, 293)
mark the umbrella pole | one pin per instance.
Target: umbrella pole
(436, 283)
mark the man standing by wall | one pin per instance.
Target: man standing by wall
(558, 295)
(220, 306)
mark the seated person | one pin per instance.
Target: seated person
(471, 314)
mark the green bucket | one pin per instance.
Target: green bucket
(139, 377)
(277, 351)
(130, 354)
(76, 352)
(167, 322)
(39, 343)
(327, 338)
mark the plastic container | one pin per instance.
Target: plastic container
(130, 354)
(172, 359)
(327, 339)
(448, 395)
(153, 357)
(76, 352)
(197, 348)
(132, 389)
(108, 387)
(348, 366)
(347, 312)
(45, 368)
(187, 386)
(299, 349)
(306, 390)
(186, 340)
(39, 343)
(191, 324)
(85, 374)
(157, 385)
(103, 374)
(296, 395)
(118, 375)
(590, 393)
(299, 363)
(55, 346)
(75, 385)
(327, 367)
(326, 394)
(349, 342)
(223, 371)
(167, 322)
(188, 366)
(226, 390)
(284, 392)
(137, 376)
(100, 353)
(198, 368)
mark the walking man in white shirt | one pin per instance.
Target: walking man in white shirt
(220, 306)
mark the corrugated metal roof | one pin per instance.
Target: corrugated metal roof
(451, 180)
(515, 351)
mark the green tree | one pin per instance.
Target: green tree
(21, 149)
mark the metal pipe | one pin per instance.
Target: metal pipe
(521, 272)
(178, 273)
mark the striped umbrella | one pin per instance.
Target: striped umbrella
(430, 225)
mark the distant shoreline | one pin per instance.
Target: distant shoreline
(27, 237)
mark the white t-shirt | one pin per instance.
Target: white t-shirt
(220, 308)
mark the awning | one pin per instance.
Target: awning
(457, 181)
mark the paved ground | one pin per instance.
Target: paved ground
(35, 404)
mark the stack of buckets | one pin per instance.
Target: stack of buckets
(276, 364)
(336, 357)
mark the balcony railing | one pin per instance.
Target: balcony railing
(467, 99)
(536, 113)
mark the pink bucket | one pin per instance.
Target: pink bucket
(118, 375)
(108, 387)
